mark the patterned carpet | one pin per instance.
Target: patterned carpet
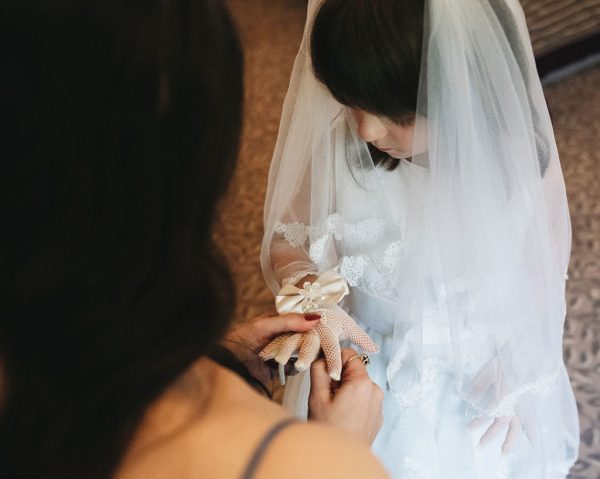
(271, 31)
(575, 107)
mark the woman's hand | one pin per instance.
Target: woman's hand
(354, 404)
(247, 339)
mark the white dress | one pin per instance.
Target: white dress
(432, 438)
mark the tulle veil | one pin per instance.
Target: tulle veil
(486, 232)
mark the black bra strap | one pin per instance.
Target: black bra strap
(263, 446)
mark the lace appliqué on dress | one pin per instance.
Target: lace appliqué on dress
(352, 268)
(295, 278)
(508, 404)
(294, 233)
(355, 236)
(366, 232)
(317, 249)
(419, 396)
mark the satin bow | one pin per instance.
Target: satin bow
(327, 289)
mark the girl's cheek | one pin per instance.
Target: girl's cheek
(403, 137)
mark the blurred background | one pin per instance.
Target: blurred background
(566, 39)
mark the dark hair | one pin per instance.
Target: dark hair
(368, 54)
(122, 121)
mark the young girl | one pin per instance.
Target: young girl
(416, 162)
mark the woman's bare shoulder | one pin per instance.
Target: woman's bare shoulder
(308, 450)
(206, 426)
(221, 439)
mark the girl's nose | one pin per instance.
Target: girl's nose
(369, 127)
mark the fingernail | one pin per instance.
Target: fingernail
(312, 317)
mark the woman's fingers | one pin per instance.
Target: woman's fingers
(308, 351)
(331, 348)
(354, 368)
(286, 323)
(288, 347)
(267, 314)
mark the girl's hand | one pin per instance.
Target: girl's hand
(335, 326)
(489, 380)
(510, 427)
(247, 339)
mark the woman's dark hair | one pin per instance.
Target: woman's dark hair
(122, 120)
(368, 54)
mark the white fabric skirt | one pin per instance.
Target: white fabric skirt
(434, 440)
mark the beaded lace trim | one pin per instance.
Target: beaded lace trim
(364, 232)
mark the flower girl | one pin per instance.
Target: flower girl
(416, 189)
